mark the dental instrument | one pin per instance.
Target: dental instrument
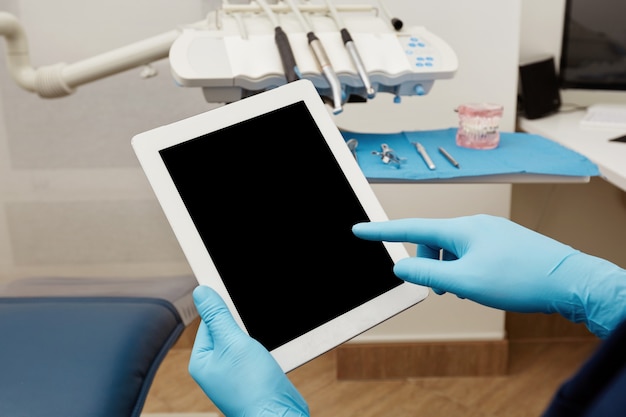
(388, 155)
(322, 59)
(282, 43)
(422, 151)
(351, 47)
(352, 145)
(449, 157)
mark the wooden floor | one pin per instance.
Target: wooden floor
(536, 369)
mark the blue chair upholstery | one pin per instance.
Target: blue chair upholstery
(82, 356)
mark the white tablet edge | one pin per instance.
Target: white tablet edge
(328, 335)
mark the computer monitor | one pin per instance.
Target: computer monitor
(593, 50)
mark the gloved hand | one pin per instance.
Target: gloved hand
(498, 263)
(235, 371)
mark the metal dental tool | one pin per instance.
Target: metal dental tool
(424, 155)
(352, 144)
(322, 60)
(282, 42)
(388, 155)
(449, 157)
(351, 47)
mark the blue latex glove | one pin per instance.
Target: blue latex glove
(498, 263)
(235, 371)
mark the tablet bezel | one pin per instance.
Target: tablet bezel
(300, 350)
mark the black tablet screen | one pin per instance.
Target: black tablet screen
(275, 212)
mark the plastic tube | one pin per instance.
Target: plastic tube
(61, 79)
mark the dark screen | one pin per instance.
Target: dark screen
(593, 53)
(275, 212)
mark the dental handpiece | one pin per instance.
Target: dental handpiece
(327, 70)
(322, 59)
(358, 63)
(286, 54)
(352, 50)
(292, 73)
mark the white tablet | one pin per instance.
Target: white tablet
(262, 194)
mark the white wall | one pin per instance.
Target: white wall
(73, 201)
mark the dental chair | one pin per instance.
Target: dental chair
(83, 347)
